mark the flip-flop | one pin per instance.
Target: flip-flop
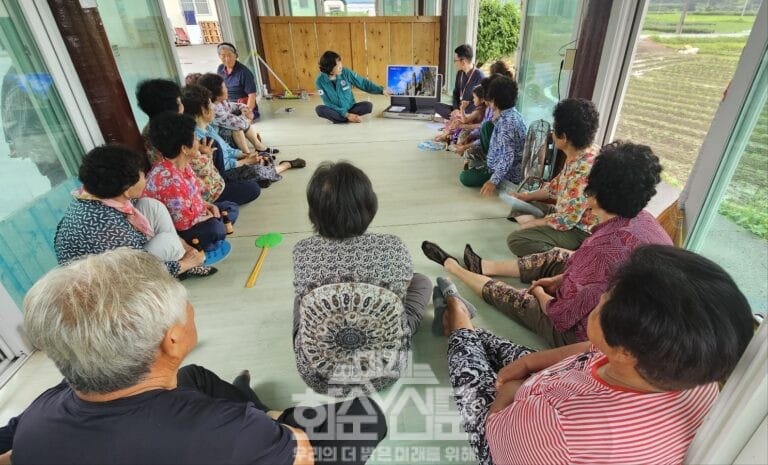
(439, 302)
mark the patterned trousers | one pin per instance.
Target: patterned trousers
(522, 306)
(474, 358)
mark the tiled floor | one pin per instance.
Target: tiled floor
(419, 198)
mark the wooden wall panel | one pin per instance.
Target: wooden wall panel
(359, 62)
(401, 44)
(377, 48)
(278, 54)
(292, 45)
(424, 46)
(305, 53)
(336, 37)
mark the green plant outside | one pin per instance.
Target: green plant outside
(697, 23)
(746, 199)
(725, 46)
(498, 30)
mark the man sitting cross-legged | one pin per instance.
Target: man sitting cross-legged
(118, 327)
(670, 327)
(566, 286)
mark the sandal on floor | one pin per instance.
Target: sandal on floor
(199, 271)
(270, 150)
(472, 261)
(435, 253)
(296, 163)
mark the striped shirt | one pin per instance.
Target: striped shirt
(568, 414)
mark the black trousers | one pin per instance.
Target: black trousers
(212, 230)
(239, 191)
(443, 109)
(344, 433)
(360, 108)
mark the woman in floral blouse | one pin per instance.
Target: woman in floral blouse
(173, 182)
(569, 221)
(107, 213)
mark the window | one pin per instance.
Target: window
(735, 233)
(201, 7)
(677, 80)
(349, 7)
(399, 7)
(303, 8)
(39, 155)
(549, 30)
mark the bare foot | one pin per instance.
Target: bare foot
(456, 316)
(522, 219)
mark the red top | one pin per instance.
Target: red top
(591, 266)
(567, 414)
(179, 190)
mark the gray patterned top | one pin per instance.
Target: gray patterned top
(378, 259)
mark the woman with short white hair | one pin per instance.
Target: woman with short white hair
(118, 327)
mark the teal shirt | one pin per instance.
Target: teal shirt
(337, 93)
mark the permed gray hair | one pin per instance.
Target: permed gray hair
(101, 319)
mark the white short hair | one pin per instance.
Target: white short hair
(101, 319)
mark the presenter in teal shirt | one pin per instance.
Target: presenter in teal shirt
(334, 85)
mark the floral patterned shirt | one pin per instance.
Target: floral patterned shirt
(211, 182)
(229, 154)
(179, 190)
(505, 151)
(567, 189)
(228, 115)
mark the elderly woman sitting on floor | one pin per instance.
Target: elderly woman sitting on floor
(107, 213)
(566, 287)
(233, 120)
(342, 205)
(173, 182)
(118, 327)
(234, 164)
(636, 392)
(567, 223)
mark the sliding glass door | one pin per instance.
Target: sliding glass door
(549, 28)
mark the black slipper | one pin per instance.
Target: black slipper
(439, 303)
(270, 150)
(296, 162)
(472, 261)
(435, 253)
(200, 271)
